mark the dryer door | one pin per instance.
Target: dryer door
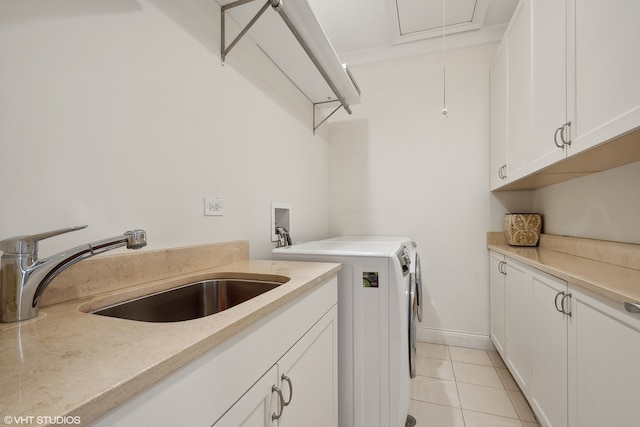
(413, 323)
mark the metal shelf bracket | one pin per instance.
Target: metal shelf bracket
(224, 49)
(277, 6)
(317, 124)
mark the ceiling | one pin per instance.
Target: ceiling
(364, 31)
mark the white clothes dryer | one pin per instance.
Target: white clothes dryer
(374, 312)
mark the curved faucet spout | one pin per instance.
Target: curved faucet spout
(24, 277)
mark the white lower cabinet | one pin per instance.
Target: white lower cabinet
(256, 407)
(497, 274)
(549, 326)
(280, 371)
(574, 354)
(308, 378)
(301, 389)
(518, 312)
(604, 362)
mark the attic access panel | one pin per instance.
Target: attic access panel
(422, 19)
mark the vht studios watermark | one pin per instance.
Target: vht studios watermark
(41, 419)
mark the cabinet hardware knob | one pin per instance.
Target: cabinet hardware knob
(277, 416)
(288, 381)
(632, 307)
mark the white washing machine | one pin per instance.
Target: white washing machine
(375, 303)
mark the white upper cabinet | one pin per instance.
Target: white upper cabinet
(518, 66)
(510, 76)
(606, 98)
(572, 84)
(548, 82)
(499, 117)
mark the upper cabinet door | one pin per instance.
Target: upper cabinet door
(606, 70)
(548, 82)
(518, 90)
(499, 118)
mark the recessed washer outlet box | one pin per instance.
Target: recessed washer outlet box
(280, 217)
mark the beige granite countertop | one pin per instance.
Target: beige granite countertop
(67, 362)
(610, 269)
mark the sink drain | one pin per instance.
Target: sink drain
(411, 422)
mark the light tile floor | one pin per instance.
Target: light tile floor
(463, 387)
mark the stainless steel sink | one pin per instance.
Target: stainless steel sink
(191, 301)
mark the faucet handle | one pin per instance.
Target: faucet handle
(24, 245)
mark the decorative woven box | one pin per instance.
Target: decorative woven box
(522, 229)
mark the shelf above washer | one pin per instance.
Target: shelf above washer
(291, 36)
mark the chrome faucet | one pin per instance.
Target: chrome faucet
(23, 277)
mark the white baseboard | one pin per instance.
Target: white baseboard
(455, 338)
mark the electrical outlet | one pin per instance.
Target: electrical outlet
(212, 206)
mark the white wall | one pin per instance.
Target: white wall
(119, 115)
(399, 167)
(600, 206)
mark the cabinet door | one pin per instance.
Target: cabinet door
(518, 90)
(604, 367)
(256, 407)
(518, 322)
(499, 116)
(548, 391)
(496, 299)
(607, 66)
(308, 377)
(548, 82)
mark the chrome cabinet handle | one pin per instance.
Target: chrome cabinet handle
(568, 313)
(632, 307)
(555, 302)
(555, 137)
(502, 267)
(560, 308)
(501, 172)
(277, 416)
(565, 140)
(288, 381)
